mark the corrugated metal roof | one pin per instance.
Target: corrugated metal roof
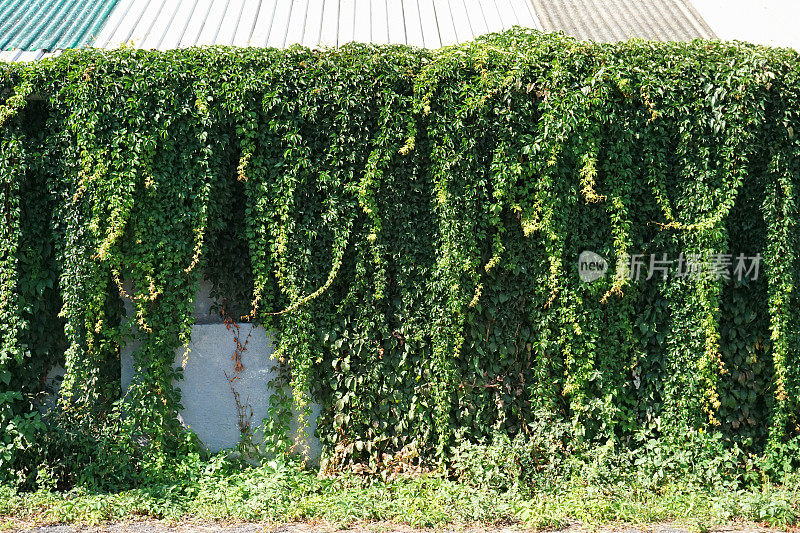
(618, 20)
(39, 28)
(51, 24)
(165, 24)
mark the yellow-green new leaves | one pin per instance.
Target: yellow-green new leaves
(407, 223)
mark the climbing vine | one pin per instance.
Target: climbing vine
(407, 224)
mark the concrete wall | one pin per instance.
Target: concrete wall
(209, 405)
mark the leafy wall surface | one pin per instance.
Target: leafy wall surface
(409, 223)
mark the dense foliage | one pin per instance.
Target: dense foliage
(408, 223)
(275, 492)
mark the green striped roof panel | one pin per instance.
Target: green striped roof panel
(51, 24)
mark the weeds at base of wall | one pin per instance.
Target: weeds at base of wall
(282, 492)
(506, 481)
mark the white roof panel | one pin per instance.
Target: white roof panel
(461, 20)
(161, 24)
(444, 18)
(362, 20)
(347, 22)
(329, 30)
(279, 25)
(508, 15)
(430, 25)
(261, 25)
(296, 24)
(491, 15)
(166, 24)
(412, 23)
(396, 21)
(770, 22)
(379, 32)
(230, 23)
(313, 27)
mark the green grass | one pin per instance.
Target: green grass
(278, 493)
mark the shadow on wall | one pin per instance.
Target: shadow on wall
(210, 408)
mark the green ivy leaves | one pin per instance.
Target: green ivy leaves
(406, 222)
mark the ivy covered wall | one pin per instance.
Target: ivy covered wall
(409, 224)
